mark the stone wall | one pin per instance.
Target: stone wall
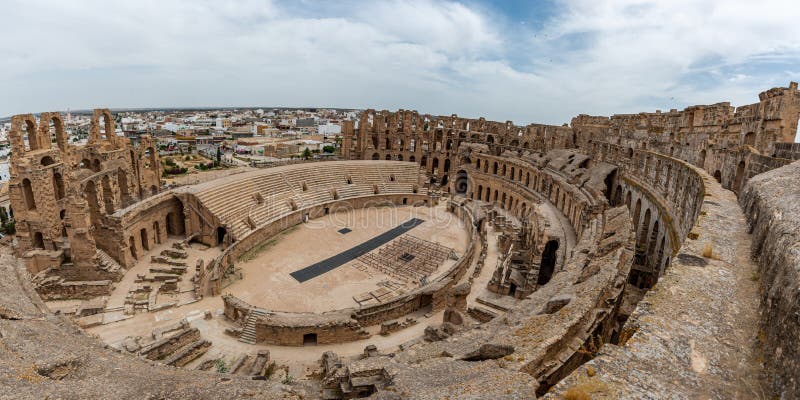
(63, 195)
(771, 202)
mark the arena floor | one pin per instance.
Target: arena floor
(267, 281)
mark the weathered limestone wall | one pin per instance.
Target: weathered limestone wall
(772, 204)
(63, 195)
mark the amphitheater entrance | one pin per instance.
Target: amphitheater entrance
(310, 339)
(718, 176)
(548, 263)
(461, 182)
(221, 232)
(444, 180)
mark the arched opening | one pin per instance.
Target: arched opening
(132, 246)
(617, 196)
(122, 182)
(527, 179)
(548, 262)
(718, 176)
(145, 240)
(221, 232)
(108, 195)
(750, 139)
(153, 189)
(376, 156)
(156, 232)
(444, 180)
(494, 168)
(651, 248)
(38, 241)
(641, 239)
(58, 185)
(175, 223)
(412, 159)
(435, 164)
(609, 183)
(85, 163)
(96, 165)
(27, 193)
(47, 160)
(480, 192)
(388, 157)
(461, 182)
(701, 159)
(446, 165)
(737, 183)
(90, 193)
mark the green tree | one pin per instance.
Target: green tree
(219, 155)
(329, 149)
(307, 153)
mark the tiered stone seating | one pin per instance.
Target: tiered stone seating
(246, 201)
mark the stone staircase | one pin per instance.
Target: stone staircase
(249, 331)
(106, 263)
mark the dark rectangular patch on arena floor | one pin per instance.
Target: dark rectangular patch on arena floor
(331, 263)
(344, 231)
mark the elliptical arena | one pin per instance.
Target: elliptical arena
(650, 255)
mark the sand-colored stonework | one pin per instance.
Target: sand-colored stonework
(647, 255)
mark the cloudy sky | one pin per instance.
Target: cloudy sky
(524, 61)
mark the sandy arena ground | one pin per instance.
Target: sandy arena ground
(267, 283)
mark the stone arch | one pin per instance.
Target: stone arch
(388, 157)
(480, 192)
(642, 237)
(412, 159)
(47, 160)
(27, 194)
(145, 239)
(651, 248)
(636, 211)
(132, 246)
(58, 185)
(701, 159)
(739, 180)
(38, 241)
(749, 139)
(108, 195)
(96, 165)
(174, 223)
(221, 232)
(446, 165)
(376, 156)
(52, 127)
(90, 193)
(461, 182)
(718, 176)
(435, 163)
(548, 262)
(156, 232)
(122, 182)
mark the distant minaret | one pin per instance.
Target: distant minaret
(69, 117)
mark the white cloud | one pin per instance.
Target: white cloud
(437, 57)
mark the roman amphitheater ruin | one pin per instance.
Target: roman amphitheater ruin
(651, 255)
